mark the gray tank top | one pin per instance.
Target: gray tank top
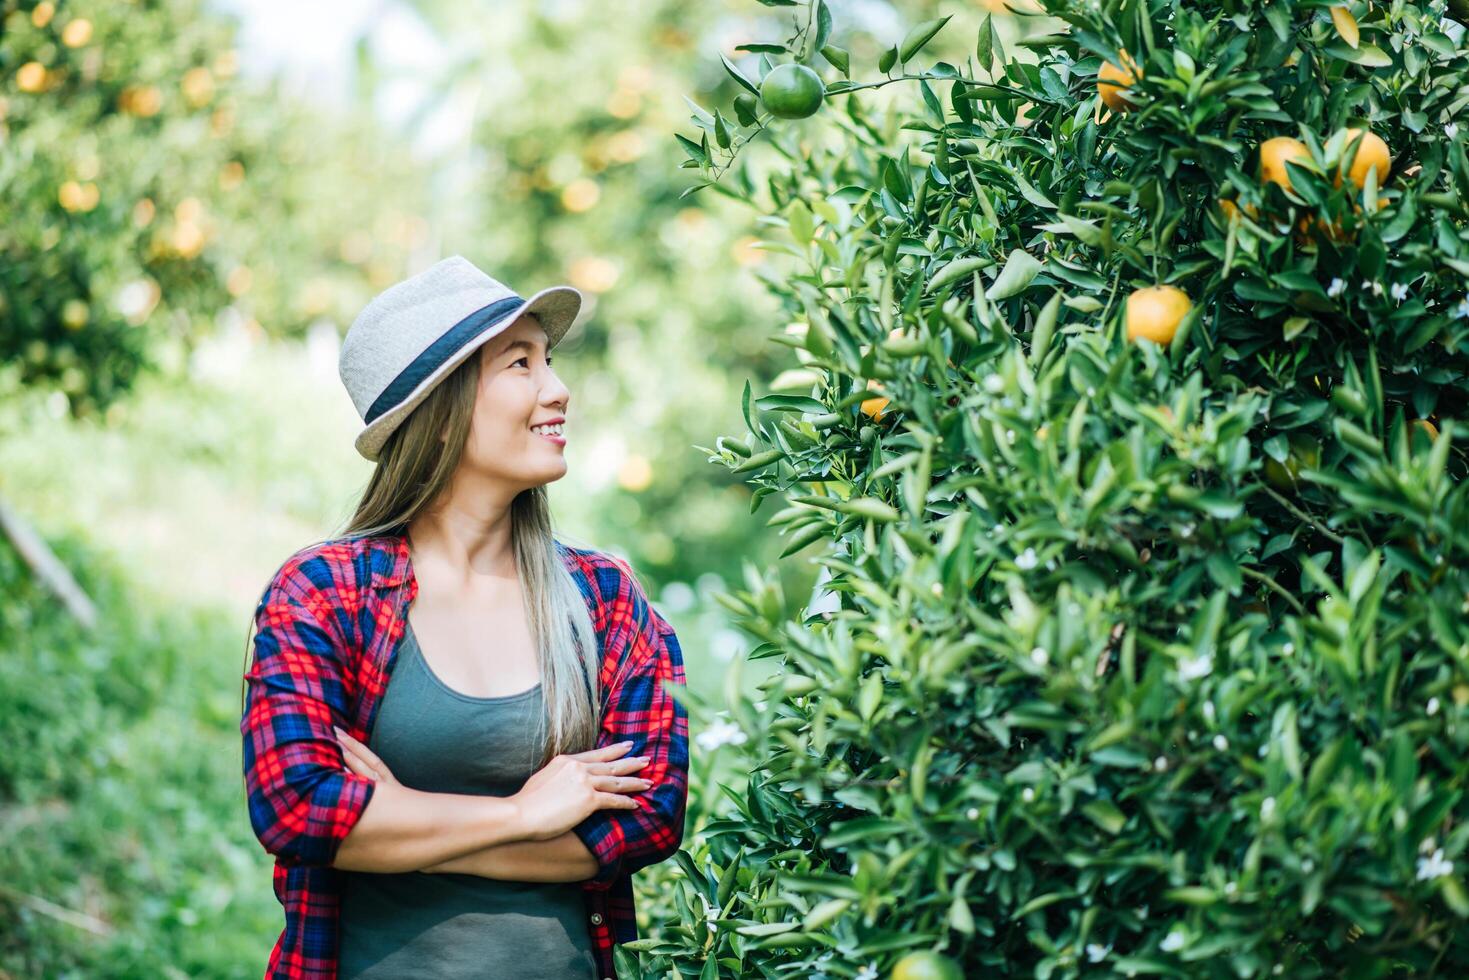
(456, 926)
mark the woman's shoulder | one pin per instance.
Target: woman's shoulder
(331, 565)
(611, 573)
(617, 584)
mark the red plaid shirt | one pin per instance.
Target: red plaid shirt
(328, 630)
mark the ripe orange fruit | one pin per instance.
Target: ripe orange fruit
(1372, 152)
(1114, 80)
(1273, 156)
(1154, 312)
(1422, 431)
(873, 406)
(792, 91)
(1230, 209)
(925, 964)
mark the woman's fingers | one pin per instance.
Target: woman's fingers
(624, 784)
(605, 753)
(617, 802)
(620, 767)
(360, 759)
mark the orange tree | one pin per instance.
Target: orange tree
(1136, 469)
(147, 188)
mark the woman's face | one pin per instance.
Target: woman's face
(517, 390)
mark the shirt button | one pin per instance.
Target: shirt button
(596, 918)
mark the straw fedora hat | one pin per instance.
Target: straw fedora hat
(412, 334)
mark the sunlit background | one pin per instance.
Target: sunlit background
(199, 199)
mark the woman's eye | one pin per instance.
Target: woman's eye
(526, 360)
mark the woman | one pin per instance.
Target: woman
(467, 793)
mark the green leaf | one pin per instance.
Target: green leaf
(1020, 270)
(838, 59)
(984, 46)
(1367, 55)
(694, 150)
(920, 35)
(957, 269)
(1105, 814)
(738, 75)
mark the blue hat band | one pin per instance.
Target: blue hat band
(435, 354)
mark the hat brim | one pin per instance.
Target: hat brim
(556, 307)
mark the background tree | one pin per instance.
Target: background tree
(1132, 455)
(148, 190)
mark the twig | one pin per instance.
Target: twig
(47, 568)
(81, 920)
(1303, 515)
(1276, 588)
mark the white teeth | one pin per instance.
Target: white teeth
(554, 430)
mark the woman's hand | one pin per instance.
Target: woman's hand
(571, 787)
(362, 760)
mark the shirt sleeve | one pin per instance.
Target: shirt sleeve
(302, 799)
(642, 710)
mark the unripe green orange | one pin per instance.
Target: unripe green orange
(925, 964)
(792, 91)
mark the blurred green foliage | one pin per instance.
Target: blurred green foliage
(574, 178)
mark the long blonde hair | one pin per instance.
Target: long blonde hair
(413, 469)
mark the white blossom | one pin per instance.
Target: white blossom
(1288, 649)
(1026, 560)
(1198, 667)
(972, 813)
(1462, 310)
(1434, 866)
(721, 732)
(1039, 656)
(1376, 287)
(1221, 743)
(1096, 953)
(1451, 130)
(1399, 291)
(1267, 807)
(868, 972)
(993, 383)
(1336, 287)
(1160, 763)
(1432, 707)
(1028, 795)
(1172, 942)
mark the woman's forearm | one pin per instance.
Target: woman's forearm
(406, 829)
(563, 858)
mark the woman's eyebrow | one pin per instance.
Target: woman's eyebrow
(525, 344)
